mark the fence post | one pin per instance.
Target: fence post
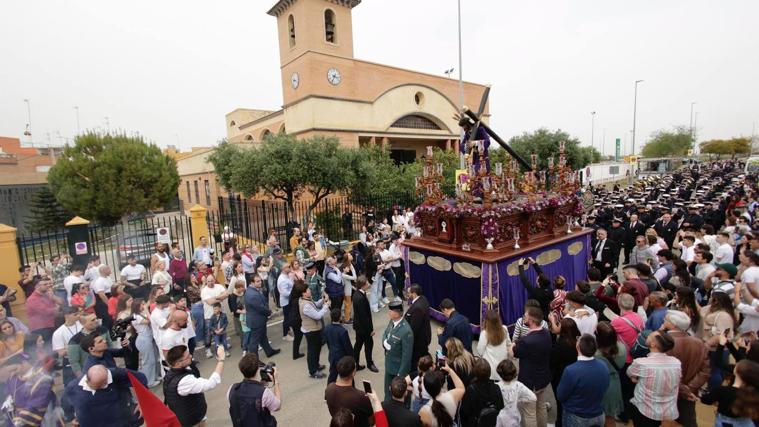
(199, 225)
(9, 274)
(79, 242)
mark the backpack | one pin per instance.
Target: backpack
(487, 416)
(247, 412)
(639, 347)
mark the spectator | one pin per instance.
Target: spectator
(721, 279)
(90, 326)
(62, 336)
(459, 360)
(364, 326)
(514, 393)
(685, 301)
(117, 290)
(338, 342)
(520, 328)
(218, 326)
(633, 285)
(211, 294)
(180, 275)
(42, 308)
(252, 401)
(74, 278)
(133, 274)
(439, 411)
(312, 314)
(734, 408)
(657, 379)
(161, 277)
(349, 279)
(334, 286)
(419, 394)
(342, 394)
(418, 317)
(611, 351)
(628, 324)
(285, 287)
(534, 352)
(457, 326)
(146, 346)
(99, 351)
(494, 342)
(704, 266)
(101, 287)
(658, 302)
(4, 315)
(694, 364)
(584, 317)
(83, 298)
(563, 353)
(724, 253)
(237, 306)
(583, 386)
(397, 414)
(718, 319)
(59, 271)
(542, 291)
(11, 340)
(641, 253)
(482, 400)
(102, 398)
(172, 333)
(184, 389)
(203, 253)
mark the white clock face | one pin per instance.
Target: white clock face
(334, 77)
(295, 80)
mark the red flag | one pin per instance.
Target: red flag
(154, 412)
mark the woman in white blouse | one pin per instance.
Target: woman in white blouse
(238, 275)
(494, 342)
(162, 277)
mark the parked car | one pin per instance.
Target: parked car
(139, 243)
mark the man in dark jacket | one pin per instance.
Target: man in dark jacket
(338, 343)
(396, 412)
(605, 253)
(102, 398)
(634, 228)
(418, 317)
(534, 353)
(457, 326)
(363, 325)
(257, 312)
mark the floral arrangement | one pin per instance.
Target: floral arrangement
(498, 211)
(489, 227)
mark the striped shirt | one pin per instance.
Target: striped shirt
(658, 383)
(520, 329)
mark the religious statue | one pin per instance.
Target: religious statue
(475, 149)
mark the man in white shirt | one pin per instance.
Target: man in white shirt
(387, 271)
(101, 287)
(203, 252)
(688, 251)
(724, 253)
(174, 332)
(585, 318)
(92, 273)
(74, 278)
(134, 274)
(159, 316)
(398, 270)
(210, 295)
(184, 389)
(750, 276)
(704, 266)
(62, 336)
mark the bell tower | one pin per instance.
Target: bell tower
(322, 26)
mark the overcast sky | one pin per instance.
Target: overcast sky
(171, 69)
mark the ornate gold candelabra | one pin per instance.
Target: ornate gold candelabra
(428, 185)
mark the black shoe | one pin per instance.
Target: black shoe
(298, 356)
(274, 352)
(372, 367)
(318, 375)
(360, 367)
(322, 367)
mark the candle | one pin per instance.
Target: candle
(498, 168)
(416, 180)
(550, 162)
(429, 151)
(561, 146)
(534, 158)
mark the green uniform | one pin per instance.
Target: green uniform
(398, 342)
(315, 284)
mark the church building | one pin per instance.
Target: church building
(328, 92)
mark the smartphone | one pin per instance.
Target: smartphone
(367, 386)
(440, 361)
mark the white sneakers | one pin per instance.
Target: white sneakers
(385, 300)
(288, 338)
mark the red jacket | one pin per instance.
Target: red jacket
(41, 311)
(178, 269)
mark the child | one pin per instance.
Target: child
(513, 393)
(734, 409)
(421, 397)
(218, 325)
(338, 343)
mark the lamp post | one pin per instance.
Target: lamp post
(461, 84)
(592, 128)
(76, 110)
(448, 72)
(635, 111)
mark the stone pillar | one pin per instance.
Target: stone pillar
(199, 225)
(78, 241)
(9, 274)
(385, 142)
(373, 141)
(448, 145)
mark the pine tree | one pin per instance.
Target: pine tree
(46, 214)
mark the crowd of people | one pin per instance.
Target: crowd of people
(668, 316)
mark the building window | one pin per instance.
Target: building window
(613, 170)
(265, 134)
(232, 123)
(208, 192)
(249, 137)
(419, 99)
(197, 192)
(415, 121)
(291, 30)
(401, 157)
(189, 195)
(330, 29)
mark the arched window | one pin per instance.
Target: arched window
(415, 121)
(232, 123)
(265, 134)
(291, 30)
(249, 137)
(330, 28)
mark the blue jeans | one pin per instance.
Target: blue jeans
(390, 277)
(196, 311)
(569, 419)
(417, 404)
(60, 293)
(245, 340)
(220, 340)
(717, 359)
(723, 420)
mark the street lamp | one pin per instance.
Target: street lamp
(592, 128)
(635, 111)
(461, 83)
(448, 72)
(76, 109)
(28, 131)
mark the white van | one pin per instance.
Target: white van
(752, 164)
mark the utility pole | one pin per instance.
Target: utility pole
(78, 129)
(461, 84)
(635, 111)
(592, 128)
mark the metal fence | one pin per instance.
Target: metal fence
(114, 244)
(340, 217)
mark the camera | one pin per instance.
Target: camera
(120, 327)
(267, 372)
